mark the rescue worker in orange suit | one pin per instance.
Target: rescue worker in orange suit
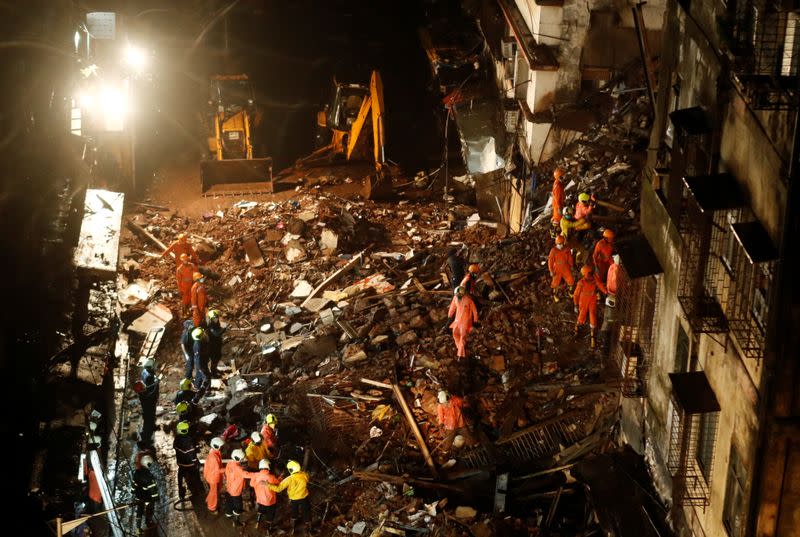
(266, 498)
(602, 254)
(585, 299)
(558, 196)
(183, 274)
(181, 246)
(199, 300)
(235, 476)
(612, 279)
(212, 473)
(584, 207)
(470, 279)
(451, 419)
(463, 317)
(560, 264)
(269, 434)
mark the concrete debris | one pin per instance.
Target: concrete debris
(301, 289)
(156, 316)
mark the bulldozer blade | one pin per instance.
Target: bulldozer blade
(236, 176)
(378, 187)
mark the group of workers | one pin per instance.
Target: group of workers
(191, 282)
(599, 273)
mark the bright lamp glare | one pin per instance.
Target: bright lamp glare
(85, 99)
(136, 57)
(114, 106)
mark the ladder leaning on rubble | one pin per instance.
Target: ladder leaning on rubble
(539, 441)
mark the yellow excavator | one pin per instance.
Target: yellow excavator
(231, 168)
(355, 112)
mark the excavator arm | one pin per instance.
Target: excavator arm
(371, 108)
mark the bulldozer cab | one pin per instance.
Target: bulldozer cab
(343, 109)
(232, 93)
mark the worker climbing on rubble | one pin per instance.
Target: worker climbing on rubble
(183, 274)
(186, 459)
(200, 351)
(235, 476)
(147, 390)
(470, 279)
(585, 300)
(610, 313)
(451, 419)
(145, 489)
(199, 299)
(456, 264)
(558, 196)
(187, 347)
(269, 435)
(181, 246)
(296, 487)
(569, 228)
(463, 316)
(212, 473)
(185, 391)
(560, 264)
(602, 254)
(266, 498)
(215, 331)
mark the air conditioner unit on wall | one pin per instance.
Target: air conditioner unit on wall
(509, 48)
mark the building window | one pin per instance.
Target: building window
(706, 435)
(734, 510)
(760, 296)
(681, 351)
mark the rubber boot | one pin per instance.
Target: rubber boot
(591, 339)
(258, 520)
(555, 295)
(294, 527)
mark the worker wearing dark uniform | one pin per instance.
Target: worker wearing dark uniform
(456, 264)
(187, 346)
(185, 393)
(215, 331)
(200, 350)
(147, 390)
(186, 458)
(145, 489)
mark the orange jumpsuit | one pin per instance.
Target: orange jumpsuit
(465, 314)
(181, 247)
(449, 413)
(560, 263)
(199, 303)
(235, 477)
(468, 283)
(269, 439)
(602, 257)
(612, 281)
(582, 210)
(264, 495)
(212, 472)
(558, 200)
(94, 487)
(184, 276)
(585, 297)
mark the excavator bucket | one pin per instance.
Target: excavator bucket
(235, 177)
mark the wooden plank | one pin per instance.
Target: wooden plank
(98, 243)
(333, 277)
(143, 233)
(415, 429)
(400, 480)
(376, 383)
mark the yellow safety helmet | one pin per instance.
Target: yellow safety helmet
(183, 428)
(197, 333)
(293, 467)
(583, 196)
(212, 314)
(271, 419)
(182, 408)
(186, 384)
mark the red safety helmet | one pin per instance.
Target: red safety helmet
(608, 234)
(560, 239)
(586, 270)
(558, 173)
(473, 268)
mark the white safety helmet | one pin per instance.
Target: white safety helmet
(611, 301)
(217, 442)
(237, 455)
(263, 464)
(149, 364)
(255, 436)
(147, 461)
(442, 396)
(615, 257)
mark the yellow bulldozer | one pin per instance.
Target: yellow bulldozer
(231, 168)
(355, 119)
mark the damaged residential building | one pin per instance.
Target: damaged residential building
(717, 415)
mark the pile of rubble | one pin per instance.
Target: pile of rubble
(337, 312)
